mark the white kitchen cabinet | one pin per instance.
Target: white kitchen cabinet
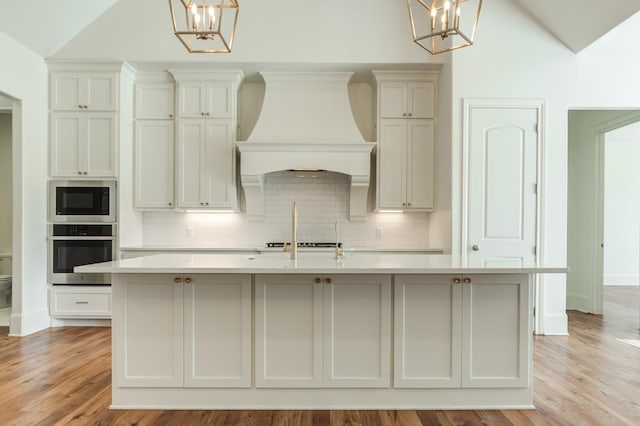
(406, 140)
(428, 321)
(217, 312)
(406, 164)
(469, 331)
(205, 163)
(83, 144)
(496, 331)
(190, 330)
(292, 339)
(206, 99)
(154, 164)
(80, 302)
(357, 331)
(86, 91)
(150, 351)
(154, 100)
(288, 331)
(400, 99)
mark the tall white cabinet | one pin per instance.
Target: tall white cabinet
(406, 140)
(83, 104)
(206, 132)
(154, 144)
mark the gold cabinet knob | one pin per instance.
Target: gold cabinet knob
(170, 204)
(467, 280)
(79, 172)
(177, 279)
(327, 280)
(80, 106)
(409, 114)
(457, 280)
(187, 280)
(170, 115)
(409, 204)
(316, 280)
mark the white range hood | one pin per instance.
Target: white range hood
(305, 123)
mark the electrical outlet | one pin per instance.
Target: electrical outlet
(379, 233)
(188, 231)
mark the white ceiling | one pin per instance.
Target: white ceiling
(44, 25)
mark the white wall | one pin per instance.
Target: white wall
(23, 76)
(622, 206)
(6, 204)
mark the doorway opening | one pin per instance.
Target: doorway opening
(6, 210)
(603, 207)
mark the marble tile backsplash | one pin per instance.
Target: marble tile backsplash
(322, 198)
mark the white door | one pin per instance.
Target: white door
(502, 183)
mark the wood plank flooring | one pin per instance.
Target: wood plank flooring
(62, 376)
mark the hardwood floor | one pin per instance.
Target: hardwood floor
(592, 377)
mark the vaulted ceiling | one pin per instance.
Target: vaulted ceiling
(44, 25)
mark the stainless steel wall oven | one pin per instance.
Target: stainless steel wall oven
(72, 245)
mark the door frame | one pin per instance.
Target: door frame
(600, 131)
(469, 105)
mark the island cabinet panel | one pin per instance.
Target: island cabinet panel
(149, 321)
(469, 331)
(288, 331)
(217, 314)
(427, 331)
(357, 331)
(496, 331)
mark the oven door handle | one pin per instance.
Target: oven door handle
(59, 238)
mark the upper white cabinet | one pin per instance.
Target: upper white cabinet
(155, 100)
(406, 156)
(206, 131)
(399, 99)
(84, 105)
(83, 144)
(205, 163)
(91, 91)
(206, 99)
(154, 164)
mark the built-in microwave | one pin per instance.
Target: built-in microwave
(82, 201)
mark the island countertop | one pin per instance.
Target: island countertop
(317, 263)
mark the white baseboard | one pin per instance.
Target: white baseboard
(619, 279)
(66, 322)
(555, 325)
(24, 324)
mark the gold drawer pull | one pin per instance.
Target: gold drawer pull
(82, 302)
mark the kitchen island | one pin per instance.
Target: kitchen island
(237, 331)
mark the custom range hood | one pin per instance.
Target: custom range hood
(305, 123)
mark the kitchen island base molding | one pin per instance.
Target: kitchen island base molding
(327, 399)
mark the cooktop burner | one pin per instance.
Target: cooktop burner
(304, 244)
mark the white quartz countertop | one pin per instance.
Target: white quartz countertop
(315, 263)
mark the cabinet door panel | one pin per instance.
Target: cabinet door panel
(393, 100)
(427, 331)
(357, 314)
(191, 99)
(191, 136)
(217, 185)
(420, 164)
(101, 145)
(154, 101)
(218, 331)
(496, 331)
(421, 98)
(65, 91)
(154, 164)
(392, 163)
(65, 142)
(288, 332)
(150, 353)
(219, 100)
(101, 92)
